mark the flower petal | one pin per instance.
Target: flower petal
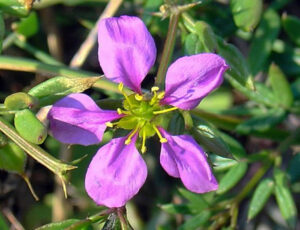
(183, 158)
(76, 119)
(191, 78)
(126, 50)
(115, 174)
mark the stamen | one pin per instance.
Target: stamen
(121, 111)
(161, 95)
(161, 138)
(109, 124)
(138, 97)
(121, 89)
(154, 89)
(128, 140)
(144, 149)
(165, 110)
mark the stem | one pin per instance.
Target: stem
(34, 151)
(253, 182)
(28, 65)
(91, 39)
(168, 49)
(9, 40)
(38, 54)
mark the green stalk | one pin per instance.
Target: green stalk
(29, 65)
(253, 182)
(50, 162)
(38, 54)
(168, 49)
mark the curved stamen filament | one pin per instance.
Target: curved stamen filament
(165, 110)
(161, 138)
(121, 89)
(138, 97)
(144, 149)
(128, 140)
(121, 111)
(154, 89)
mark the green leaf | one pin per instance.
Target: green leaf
(63, 225)
(176, 208)
(232, 177)
(221, 163)
(264, 37)
(291, 26)
(287, 57)
(2, 31)
(261, 195)
(239, 69)
(246, 13)
(192, 44)
(294, 169)
(16, 7)
(196, 202)
(218, 100)
(12, 158)
(3, 140)
(196, 221)
(236, 149)
(285, 199)
(280, 86)
(29, 127)
(202, 39)
(113, 222)
(3, 224)
(19, 101)
(278, 4)
(262, 123)
(55, 88)
(28, 26)
(206, 36)
(208, 137)
(176, 124)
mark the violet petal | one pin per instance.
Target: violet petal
(126, 50)
(191, 78)
(183, 158)
(76, 119)
(115, 174)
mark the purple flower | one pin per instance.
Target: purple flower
(117, 171)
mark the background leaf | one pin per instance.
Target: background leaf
(246, 13)
(263, 39)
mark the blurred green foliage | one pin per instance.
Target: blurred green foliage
(249, 127)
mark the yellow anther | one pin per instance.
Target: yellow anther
(161, 138)
(119, 111)
(128, 140)
(109, 124)
(161, 95)
(121, 89)
(138, 97)
(164, 110)
(154, 89)
(144, 149)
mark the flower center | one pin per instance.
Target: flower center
(143, 114)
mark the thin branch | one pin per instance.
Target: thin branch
(90, 41)
(12, 219)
